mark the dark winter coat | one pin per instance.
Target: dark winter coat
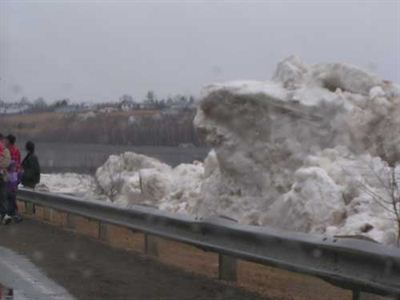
(31, 171)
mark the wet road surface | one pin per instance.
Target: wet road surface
(20, 279)
(88, 269)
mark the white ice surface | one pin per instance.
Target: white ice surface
(312, 151)
(67, 183)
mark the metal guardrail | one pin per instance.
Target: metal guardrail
(359, 265)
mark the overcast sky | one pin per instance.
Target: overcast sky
(99, 50)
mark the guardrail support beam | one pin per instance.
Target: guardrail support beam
(46, 214)
(70, 221)
(29, 208)
(227, 268)
(150, 245)
(102, 231)
(358, 295)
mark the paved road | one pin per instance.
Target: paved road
(27, 281)
(91, 270)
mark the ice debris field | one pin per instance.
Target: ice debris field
(316, 149)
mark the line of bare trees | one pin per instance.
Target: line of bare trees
(155, 129)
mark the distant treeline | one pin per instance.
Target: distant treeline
(125, 103)
(152, 121)
(152, 127)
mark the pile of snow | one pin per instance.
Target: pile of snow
(338, 193)
(313, 150)
(134, 178)
(283, 149)
(80, 185)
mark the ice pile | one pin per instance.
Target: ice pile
(80, 185)
(314, 150)
(134, 178)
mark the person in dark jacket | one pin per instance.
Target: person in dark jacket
(31, 168)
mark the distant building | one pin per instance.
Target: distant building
(108, 109)
(128, 105)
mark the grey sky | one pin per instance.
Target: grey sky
(99, 50)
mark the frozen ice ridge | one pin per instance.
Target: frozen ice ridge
(316, 149)
(312, 150)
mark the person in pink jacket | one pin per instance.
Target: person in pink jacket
(4, 163)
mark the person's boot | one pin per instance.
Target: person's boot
(6, 220)
(17, 218)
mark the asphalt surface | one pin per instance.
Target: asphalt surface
(88, 269)
(26, 279)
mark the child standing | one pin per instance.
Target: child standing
(14, 179)
(4, 163)
(16, 158)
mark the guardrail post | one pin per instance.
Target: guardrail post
(227, 268)
(29, 208)
(70, 221)
(102, 231)
(46, 214)
(150, 245)
(356, 295)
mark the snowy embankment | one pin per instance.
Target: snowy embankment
(313, 150)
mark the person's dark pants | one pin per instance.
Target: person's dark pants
(12, 209)
(3, 198)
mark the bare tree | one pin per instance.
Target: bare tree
(390, 199)
(115, 183)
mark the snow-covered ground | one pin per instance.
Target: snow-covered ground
(313, 150)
